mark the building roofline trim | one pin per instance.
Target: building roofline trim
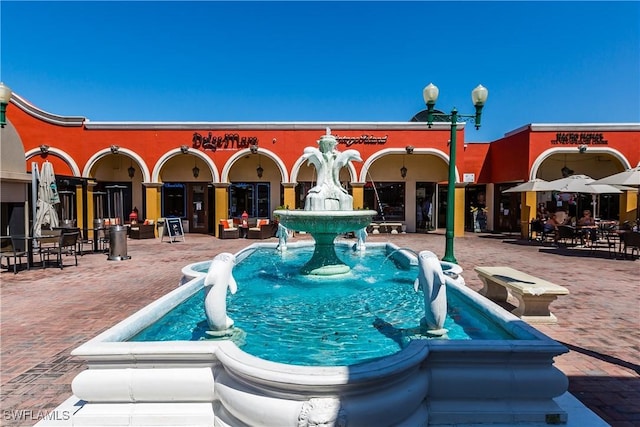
(45, 116)
(578, 127)
(340, 126)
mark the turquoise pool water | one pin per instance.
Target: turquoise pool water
(285, 317)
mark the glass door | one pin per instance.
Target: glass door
(425, 209)
(198, 208)
(263, 207)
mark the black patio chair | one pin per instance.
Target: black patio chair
(567, 233)
(631, 240)
(14, 247)
(67, 245)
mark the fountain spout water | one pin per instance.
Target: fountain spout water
(328, 209)
(361, 235)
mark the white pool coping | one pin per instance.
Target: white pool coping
(578, 415)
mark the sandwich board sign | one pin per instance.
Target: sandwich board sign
(173, 229)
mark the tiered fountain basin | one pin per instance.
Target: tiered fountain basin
(215, 382)
(324, 226)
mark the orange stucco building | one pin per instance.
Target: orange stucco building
(204, 172)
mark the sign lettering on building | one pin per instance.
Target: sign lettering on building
(579, 138)
(362, 139)
(228, 141)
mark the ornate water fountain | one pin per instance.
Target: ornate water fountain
(328, 209)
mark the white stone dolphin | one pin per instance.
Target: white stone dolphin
(219, 278)
(432, 281)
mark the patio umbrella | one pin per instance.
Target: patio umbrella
(582, 184)
(536, 184)
(629, 178)
(46, 213)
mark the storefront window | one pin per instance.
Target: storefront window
(173, 200)
(476, 209)
(253, 197)
(387, 198)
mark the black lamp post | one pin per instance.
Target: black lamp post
(479, 97)
(5, 96)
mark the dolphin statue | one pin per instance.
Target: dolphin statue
(432, 281)
(218, 279)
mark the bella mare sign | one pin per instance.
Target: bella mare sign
(579, 138)
(362, 139)
(227, 141)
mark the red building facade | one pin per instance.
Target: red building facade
(205, 172)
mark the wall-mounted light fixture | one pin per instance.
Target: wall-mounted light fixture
(403, 171)
(44, 149)
(131, 170)
(196, 169)
(566, 172)
(115, 149)
(184, 149)
(259, 169)
(5, 96)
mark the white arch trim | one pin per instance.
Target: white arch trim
(267, 153)
(155, 176)
(535, 166)
(107, 151)
(58, 153)
(379, 154)
(295, 171)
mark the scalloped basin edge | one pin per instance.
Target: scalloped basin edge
(429, 382)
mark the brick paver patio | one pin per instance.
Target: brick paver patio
(46, 313)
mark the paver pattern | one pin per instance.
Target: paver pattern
(46, 313)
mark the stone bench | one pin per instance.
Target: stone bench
(533, 294)
(386, 227)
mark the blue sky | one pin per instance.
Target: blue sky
(543, 62)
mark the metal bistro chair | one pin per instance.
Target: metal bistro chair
(83, 240)
(631, 241)
(67, 245)
(536, 227)
(612, 240)
(14, 247)
(567, 233)
(47, 242)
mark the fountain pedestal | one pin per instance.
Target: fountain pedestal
(324, 226)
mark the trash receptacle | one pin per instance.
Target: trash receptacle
(118, 243)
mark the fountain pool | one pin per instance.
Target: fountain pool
(371, 312)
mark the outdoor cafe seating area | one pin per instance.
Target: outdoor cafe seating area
(619, 241)
(249, 228)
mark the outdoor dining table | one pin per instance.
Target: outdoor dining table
(587, 232)
(100, 236)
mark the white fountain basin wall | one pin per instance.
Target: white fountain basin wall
(210, 383)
